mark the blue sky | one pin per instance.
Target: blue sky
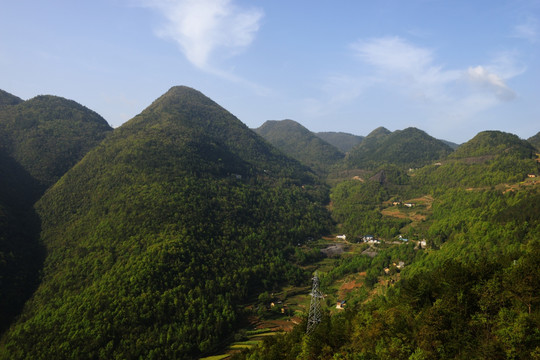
(451, 68)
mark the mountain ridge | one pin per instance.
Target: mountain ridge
(158, 230)
(410, 147)
(342, 140)
(47, 135)
(300, 143)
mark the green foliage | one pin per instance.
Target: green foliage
(21, 255)
(535, 141)
(474, 294)
(343, 141)
(7, 99)
(158, 235)
(450, 311)
(356, 206)
(409, 148)
(489, 159)
(299, 143)
(48, 135)
(491, 143)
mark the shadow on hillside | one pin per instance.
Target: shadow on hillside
(21, 253)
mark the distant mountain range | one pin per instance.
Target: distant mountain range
(300, 143)
(164, 228)
(147, 241)
(343, 141)
(408, 148)
(493, 143)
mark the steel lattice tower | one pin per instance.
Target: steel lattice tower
(315, 316)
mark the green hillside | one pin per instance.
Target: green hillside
(453, 145)
(298, 142)
(343, 141)
(488, 159)
(47, 135)
(8, 99)
(457, 272)
(535, 141)
(157, 236)
(406, 148)
(40, 140)
(20, 252)
(493, 143)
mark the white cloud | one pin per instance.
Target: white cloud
(392, 53)
(406, 66)
(528, 30)
(409, 75)
(480, 76)
(202, 27)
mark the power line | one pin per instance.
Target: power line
(315, 316)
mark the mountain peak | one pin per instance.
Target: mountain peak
(300, 143)
(180, 96)
(494, 142)
(379, 132)
(410, 147)
(48, 134)
(8, 99)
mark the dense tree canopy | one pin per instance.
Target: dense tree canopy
(47, 135)
(20, 252)
(343, 141)
(155, 237)
(150, 246)
(474, 294)
(410, 147)
(300, 143)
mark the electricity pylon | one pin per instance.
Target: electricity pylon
(315, 316)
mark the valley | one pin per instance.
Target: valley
(185, 234)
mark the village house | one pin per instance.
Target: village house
(403, 239)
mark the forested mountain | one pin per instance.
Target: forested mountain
(152, 238)
(474, 294)
(406, 148)
(20, 253)
(8, 99)
(47, 135)
(40, 140)
(453, 145)
(300, 143)
(493, 143)
(535, 141)
(343, 141)
(157, 235)
(488, 159)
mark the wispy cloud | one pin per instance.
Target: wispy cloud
(411, 74)
(528, 30)
(203, 28)
(406, 66)
(480, 76)
(393, 53)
